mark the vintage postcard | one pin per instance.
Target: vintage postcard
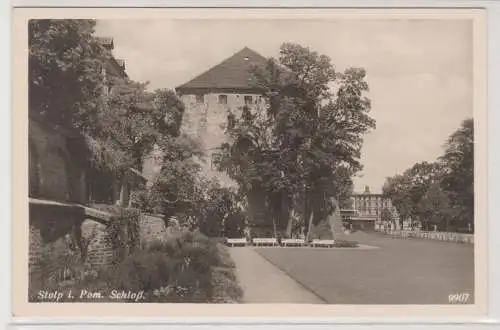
(249, 162)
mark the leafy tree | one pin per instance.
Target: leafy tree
(439, 193)
(305, 146)
(220, 214)
(458, 180)
(434, 208)
(69, 86)
(407, 190)
(65, 71)
(386, 215)
(177, 189)
(169, 110)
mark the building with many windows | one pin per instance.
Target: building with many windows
(371, 211)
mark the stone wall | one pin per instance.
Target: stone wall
(57, 230)
(152, 228)
(207, 121)
(53, 173)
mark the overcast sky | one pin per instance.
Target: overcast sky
(419, 71)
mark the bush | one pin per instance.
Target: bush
(345, 244)
(189, 267)
(225, 284)
(322, 230)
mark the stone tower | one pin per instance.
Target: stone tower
(210, 96)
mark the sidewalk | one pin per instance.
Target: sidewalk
(263, 283)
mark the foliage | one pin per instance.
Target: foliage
(181, 270)
(304, 146)
(439, 193)
(56, 263)
(321, 231)
(386, 215)
(345, 244)
(169, 112)
(189, 268)
(220, 212)
(75, 82)
(123, 231)
(65, 66)
(458, 180)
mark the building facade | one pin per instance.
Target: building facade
(373, 211)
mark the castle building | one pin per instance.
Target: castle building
(212, 95)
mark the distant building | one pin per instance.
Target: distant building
(368, 210)
(210, 96)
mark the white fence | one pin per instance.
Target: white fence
(434, 235)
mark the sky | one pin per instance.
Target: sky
(419, 71)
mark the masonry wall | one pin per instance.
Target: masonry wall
(207, 121)
(63, 238)
(53, 172)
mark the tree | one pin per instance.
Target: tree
(177, 189)
(65, 71)
(407, 190)
(386, 215)
(169, 110)
(67, 87)
(458, 180)
(434, 208)
(220, 214)
(305, 146)
(439, 193)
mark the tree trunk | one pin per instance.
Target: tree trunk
(309, 226)
(289, 225)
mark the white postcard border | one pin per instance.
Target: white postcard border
(356, 309)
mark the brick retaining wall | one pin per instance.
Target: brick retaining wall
(70, 235)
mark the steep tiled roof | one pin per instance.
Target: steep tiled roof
(234, 73)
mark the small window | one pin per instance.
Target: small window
(200, 98)
(223, 99)
(248, 99)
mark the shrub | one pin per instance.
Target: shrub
(322, 230)
(189, 267)
(59, 264)
(224, 281)
(345, 244)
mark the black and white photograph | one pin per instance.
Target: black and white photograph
(252, 160)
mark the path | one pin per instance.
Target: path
(263, 283)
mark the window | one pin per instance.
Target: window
(248, 99)
(223, 99)
(200, 98)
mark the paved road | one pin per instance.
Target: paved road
(399, 272)
(264, 283)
